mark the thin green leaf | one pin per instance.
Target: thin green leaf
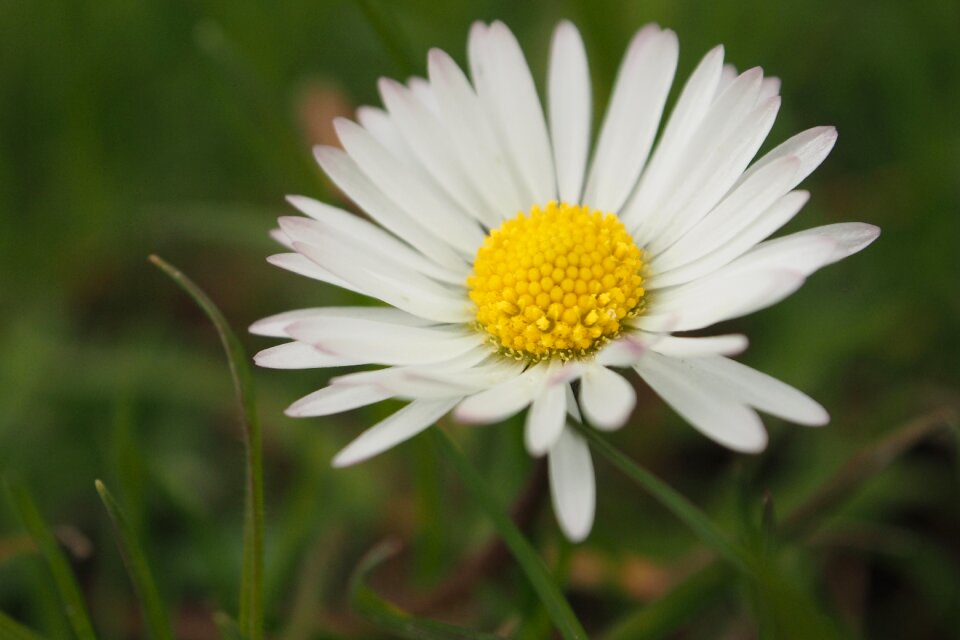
(392, 619)
(127, 463)
(70, 594)
(769, 533)
(685, 510)
(10, 629)
(790, 612)
(302, 619)
(46, 604)
(534, 623)
(155, 613)
(386, 29)
(768, 518)
(428, 493)
(251, 583)
(865, 464)
(667, 614)
(553, 601)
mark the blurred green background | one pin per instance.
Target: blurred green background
(172, 127)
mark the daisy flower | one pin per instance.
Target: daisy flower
(521, 269)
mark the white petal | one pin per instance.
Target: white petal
(569, 103)
(423, 382)
(456, 365)
(722, 296)
(572, 485)
(416, 297)
(811, 147)
(622, 352)
(566, 373)
(546, 418)
(690, 347)
(712, 174)
(606, 398)
(737, 210)
(298, 355)
(769, 88)
(397, 260)
(764, 392)
(382, 342)
(408, 190)
(335, 399)
(303, 266)
(709, 408)
(280, 237)
(424, 93)
(372, 239)
(506, 88)
(382, 127)
(692, 107)
(704, 159)
(482, 70)
(727, 77)
(415, 230)
(808, 250)
(474, 136)
(763, 276)
(275, 326)
(502, 400)
(632, 118)
(774, 217)
(401, 426)
(428, 138)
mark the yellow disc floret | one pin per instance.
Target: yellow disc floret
(557, 282)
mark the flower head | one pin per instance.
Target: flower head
(516, 266)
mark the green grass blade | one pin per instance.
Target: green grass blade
(686, 511)
(155, 613)
(865, 464)
(399, 623)
(10, 629)
(70, 595)
(665, 615)
(553, 601)
(251, 584)
(430, 543)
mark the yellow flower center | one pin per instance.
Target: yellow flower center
(557, 282)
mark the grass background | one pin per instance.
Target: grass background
(174, 127)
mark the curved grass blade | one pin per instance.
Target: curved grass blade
(392, 619)
(686, 511)
(553, 601)
(155, 613)
(865, 464)
(10, 629)
(70, 595)
(251, 583)
(793, 613)
(667, 614)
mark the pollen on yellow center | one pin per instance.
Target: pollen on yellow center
(557, 282)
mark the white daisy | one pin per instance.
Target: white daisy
(517, 266)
